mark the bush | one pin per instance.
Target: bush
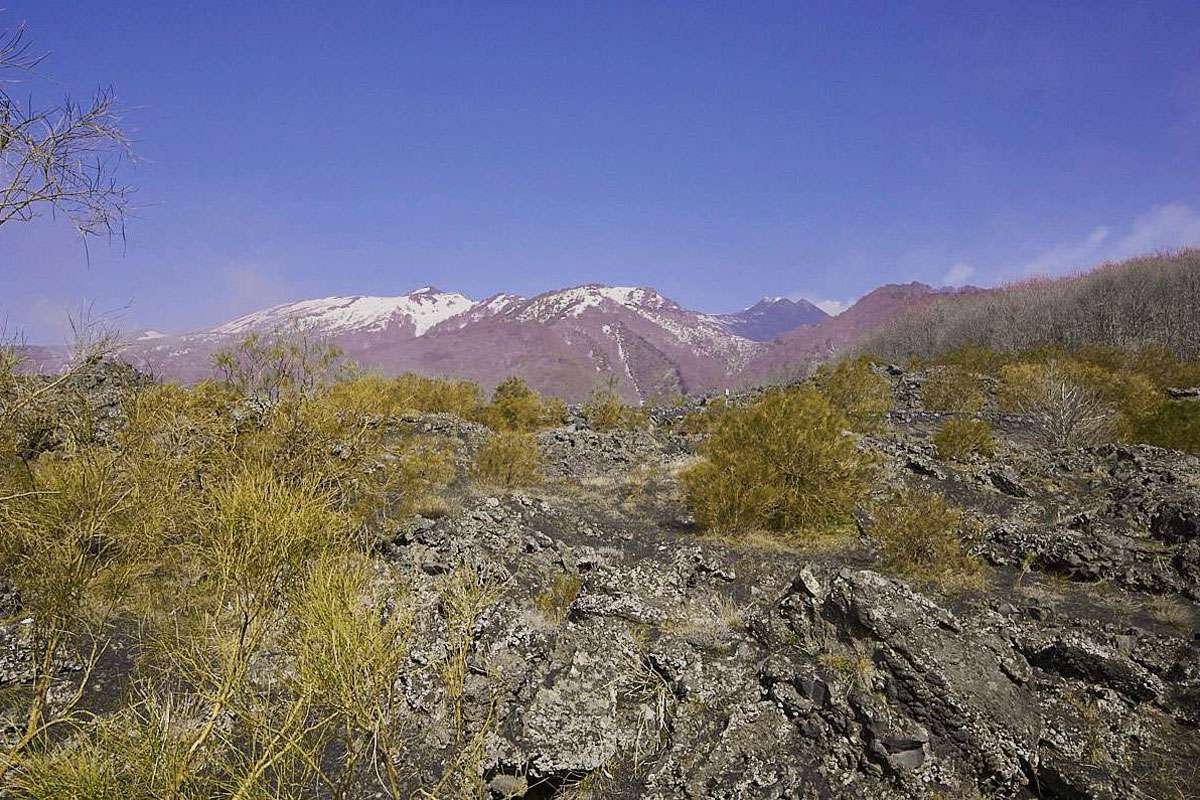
(408, 393)
(1132, 396)
(919, 534)
(509, 459)
(605, 411)
(461, 398)
(289, 359)
(1175, 425)
(961, 437)
(855, 391)
(951, 388)
(705, 419)
(967, 358)
(783, 464)
(214, 537)
(1063, 412)
(516, 407)
(1152, 361)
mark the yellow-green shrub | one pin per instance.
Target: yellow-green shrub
(970, 359)
(1021, 385)
(783, 464)
(509, 459)
(1157, 364)
(347, 652)
(407, 393)
(705, 419)
(130, 755)
(262, 529)
(289, 359)
(961, 437)
(1062, 411)
(953, 389)
(921, 535)
(605, 411)
(1030, 387)
(438, 395)
(516, 407)
(1175, 425)
(854, 390)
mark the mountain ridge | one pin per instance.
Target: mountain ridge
(563, 341)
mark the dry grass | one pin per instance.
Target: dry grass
(1171, 612)
(961, 437)
(920, 535)
(555, 600)
(509, 460)
(853, 670)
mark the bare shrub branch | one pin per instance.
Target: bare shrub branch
(60, 159)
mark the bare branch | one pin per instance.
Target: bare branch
(61, 159)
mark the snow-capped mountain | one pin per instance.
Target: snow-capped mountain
(417, 312)
(563, 342)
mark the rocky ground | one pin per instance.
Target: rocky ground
(679, 666)
(627, 655)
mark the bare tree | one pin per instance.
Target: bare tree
(62, 158)
(1064, 413)
(1146, 301)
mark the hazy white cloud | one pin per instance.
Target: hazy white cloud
(1166, 227)
(958, 274)
(50, 319)
(833, 307)
(251, 286)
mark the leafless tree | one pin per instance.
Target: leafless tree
(1065, 414)
(1152, 300)
(59, 159)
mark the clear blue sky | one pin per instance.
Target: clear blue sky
(718, 152)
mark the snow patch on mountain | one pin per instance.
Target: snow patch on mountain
(575, 301)
(489, 307)
(423, 308)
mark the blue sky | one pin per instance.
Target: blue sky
(719, 152)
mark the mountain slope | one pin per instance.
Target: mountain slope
(564, 342)
(412, 314)
(770, 317)
(798, 349)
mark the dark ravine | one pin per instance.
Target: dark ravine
(686, 667)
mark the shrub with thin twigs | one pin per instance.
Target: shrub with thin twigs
(783, 464)
(605, 411)
(964, 436)
(921, 535)
(516, 407)
(952, 389)
(509, 459)
(1063, 412)
(854, 390)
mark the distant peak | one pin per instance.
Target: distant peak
(772, 301)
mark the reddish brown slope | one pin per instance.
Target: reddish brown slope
(797, 350)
